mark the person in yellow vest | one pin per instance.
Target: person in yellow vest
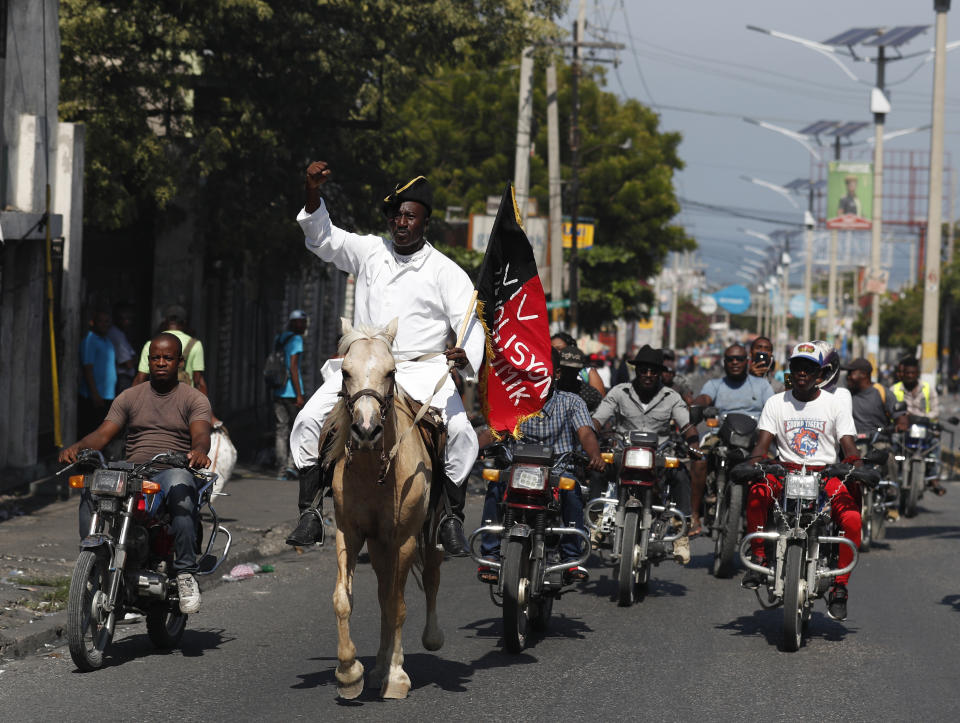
(920, 398)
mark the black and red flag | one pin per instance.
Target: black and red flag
(511, 304)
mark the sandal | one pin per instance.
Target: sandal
(695, 530)
(488, 574)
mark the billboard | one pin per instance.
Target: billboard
(850, 195)
(584, 233)
(735, 299)
(536, 228)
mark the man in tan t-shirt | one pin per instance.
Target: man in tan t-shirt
(161, 416)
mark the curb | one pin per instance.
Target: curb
(49, 632)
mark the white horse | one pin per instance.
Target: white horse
(382, 502)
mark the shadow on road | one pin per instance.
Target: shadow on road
(608, 586)
(424, 669)
(953, 600)
(194, 644)
(908, 533)
(769, 624)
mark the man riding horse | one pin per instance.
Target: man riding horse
(429, 294)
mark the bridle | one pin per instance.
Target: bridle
(385, 401)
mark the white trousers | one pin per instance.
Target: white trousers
(418, 379)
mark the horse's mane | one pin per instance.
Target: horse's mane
(338, 421)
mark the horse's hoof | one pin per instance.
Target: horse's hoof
(350, 683)
(396, 686)
(432, 639)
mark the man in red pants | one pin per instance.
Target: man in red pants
(808, 424)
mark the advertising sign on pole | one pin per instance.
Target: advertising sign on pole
(735, 299)
(584, 234)
(850, 196)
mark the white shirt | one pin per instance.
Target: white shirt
(807, 432)
(426, 291)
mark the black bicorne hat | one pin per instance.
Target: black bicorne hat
(418, 189)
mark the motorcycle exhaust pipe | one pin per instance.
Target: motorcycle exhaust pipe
(152, 584)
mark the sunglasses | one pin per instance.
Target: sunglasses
(737, 358)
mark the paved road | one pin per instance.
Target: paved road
(696, 648)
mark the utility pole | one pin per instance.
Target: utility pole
(675, 286)
(931, 285)
(809, 222)
(880, 106)
(556, 199)
(521, 162)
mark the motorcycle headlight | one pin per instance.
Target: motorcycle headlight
(638, 458)
(109, 482)
(804, 486)
(527, 477)
(917, 431)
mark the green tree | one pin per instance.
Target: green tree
(461, 129)
(218, 105)
(693, 326)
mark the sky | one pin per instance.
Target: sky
(697, 64)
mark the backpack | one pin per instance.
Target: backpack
(182, 375)
(882, 391)
(275, 371)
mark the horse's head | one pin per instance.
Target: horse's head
(368, 380)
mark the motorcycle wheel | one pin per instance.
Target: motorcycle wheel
(516, 584)
(86, 621)
(165, 625)
(627, 578)
(879, 530)
(793, 599)
(915, 483)
(540, 613)
(866, 519)
(730, 524)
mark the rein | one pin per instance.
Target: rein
(386, 403)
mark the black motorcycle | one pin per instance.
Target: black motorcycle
(126, 560)
(725, 509)
(530, 572)
(876, 500)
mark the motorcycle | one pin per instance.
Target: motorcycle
(647, 522)
(918, 454)
(804, 544)
(875, 501)
(734, 440)
(126, 560)
(530, 575)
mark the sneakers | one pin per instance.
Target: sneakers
(487, 573)
(577, 573)
(751, 578)
(837, 602)
(681, 550)
(189, 592)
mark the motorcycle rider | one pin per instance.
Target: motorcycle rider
(562, 422)
(920, 397)
(737, 391)
(161, 416)
(762, 363)
(430, 295)
(808, 425)
(670, 378)
(646, 405)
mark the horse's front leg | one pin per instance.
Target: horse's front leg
(432, 634)
(392, 566)
(350, 670)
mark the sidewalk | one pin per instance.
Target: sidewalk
(39, 547)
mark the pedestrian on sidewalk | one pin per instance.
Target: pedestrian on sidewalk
(126, 356)
(289, 399)
(98, 380)
(175, 322)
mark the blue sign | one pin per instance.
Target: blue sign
(797, 302)
(735, 299)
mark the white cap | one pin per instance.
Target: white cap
(298, 314)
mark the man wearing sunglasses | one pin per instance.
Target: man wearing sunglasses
(736, 391)
(646, 405)
(807, 424)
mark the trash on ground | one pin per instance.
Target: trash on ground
(244, 571)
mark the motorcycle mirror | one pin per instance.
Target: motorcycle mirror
(876, 456)
(696, 414)
(954, 421)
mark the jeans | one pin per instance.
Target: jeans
(571, 510)
(178, 494)
(284, 411)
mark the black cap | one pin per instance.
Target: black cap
(858, 365)
(418, 189)
(648, 355)
(572, 357)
